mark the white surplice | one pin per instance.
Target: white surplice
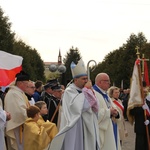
(16, 103)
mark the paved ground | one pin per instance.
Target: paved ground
(129, 142)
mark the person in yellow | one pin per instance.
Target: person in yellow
(35, 135)
(50, 127)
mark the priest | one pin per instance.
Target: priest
(16, 103)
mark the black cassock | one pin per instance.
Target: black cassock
(140, 128)
(52, 103)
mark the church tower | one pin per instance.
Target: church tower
(59, 58)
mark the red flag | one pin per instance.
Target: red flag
(146, 76)
(10, 65)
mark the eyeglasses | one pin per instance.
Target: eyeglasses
(32, 87)
(108, 81)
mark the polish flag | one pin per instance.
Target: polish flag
(10, 65)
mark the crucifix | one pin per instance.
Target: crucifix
(137, 53)
(143, 59)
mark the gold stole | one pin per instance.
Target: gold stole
(21, 126)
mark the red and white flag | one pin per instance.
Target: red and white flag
(10, 65)
(135, 99)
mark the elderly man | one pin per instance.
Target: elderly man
(30, 91)
(16, 103)
(79, 124)
(109, 136)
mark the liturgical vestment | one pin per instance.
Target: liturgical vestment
(16, 103)
(106, 133)
(79, 124)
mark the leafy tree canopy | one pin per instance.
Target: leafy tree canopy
(72, 55)
(6, 35)
(32, 62)
(119, 63)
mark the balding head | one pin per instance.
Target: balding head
(100, 77)
(102, 80)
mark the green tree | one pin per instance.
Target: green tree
(6, 35)
(32, 62)
(119, 63)
(72, 55)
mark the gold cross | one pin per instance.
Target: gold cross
(137, 53)
(143, 59)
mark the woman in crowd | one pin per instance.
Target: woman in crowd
(113, 93)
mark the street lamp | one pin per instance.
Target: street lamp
(60, 68)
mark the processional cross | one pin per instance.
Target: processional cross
(143, 59)
(142, 73)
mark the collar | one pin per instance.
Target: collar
(77, 88)
(104, 92)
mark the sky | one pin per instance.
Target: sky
(95, 27)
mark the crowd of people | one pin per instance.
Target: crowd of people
(82, 116)
(28, 110)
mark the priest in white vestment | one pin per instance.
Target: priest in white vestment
(109, 135)
(79, 122)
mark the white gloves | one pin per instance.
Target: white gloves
(145, 106)
(146, 122)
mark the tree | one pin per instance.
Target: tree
(72, 55)
(6, 35)
(119, 63)
(32, 62)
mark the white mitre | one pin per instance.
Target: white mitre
(78, 70)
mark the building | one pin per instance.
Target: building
(47, 72)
